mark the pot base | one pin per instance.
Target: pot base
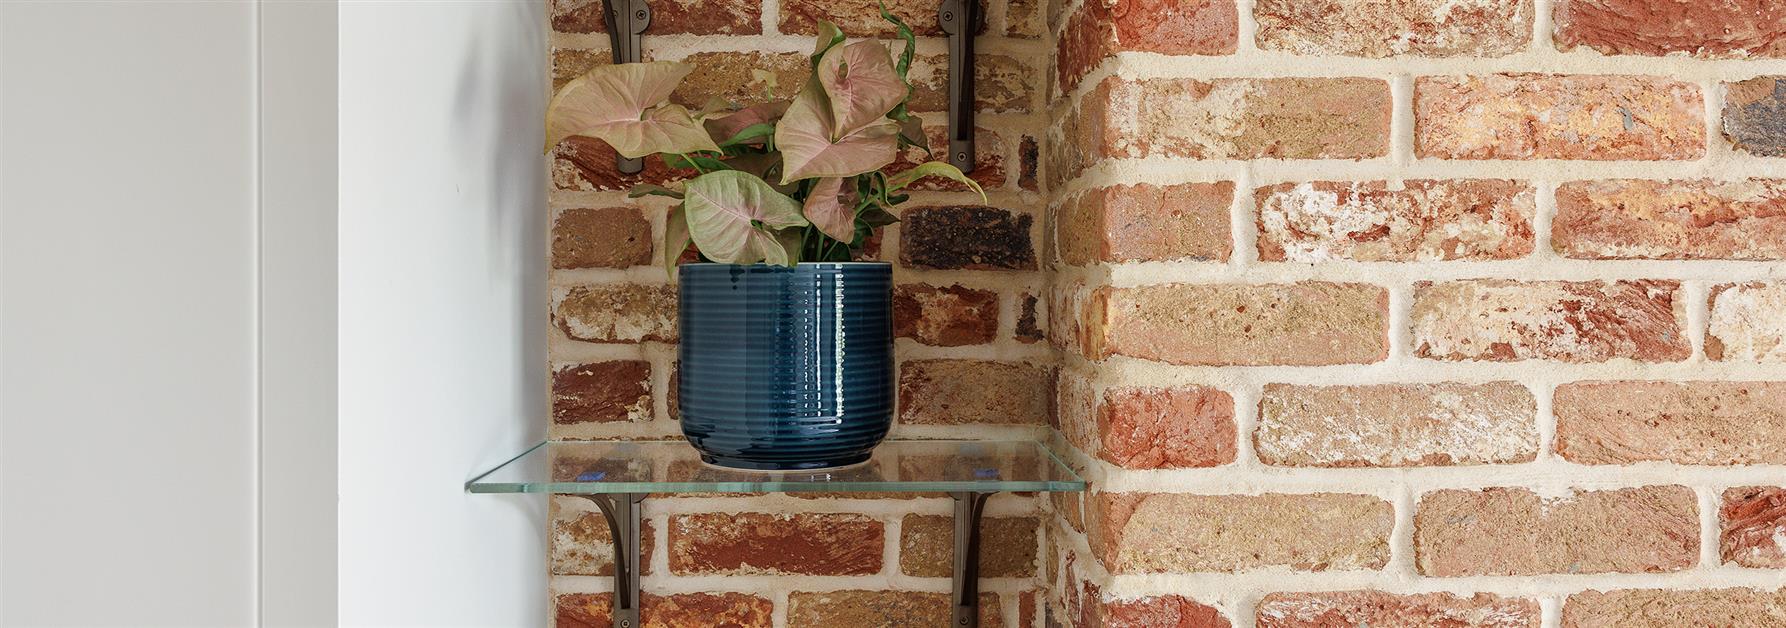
(781, 465)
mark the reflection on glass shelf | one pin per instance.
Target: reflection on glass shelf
(675, 467)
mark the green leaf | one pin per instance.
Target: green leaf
(696, 162)
(675, 239)
(876, 217)
(754, 131)
(734, 218)
(652, 189)
(932, 168)
(905, 33)
(829, 35)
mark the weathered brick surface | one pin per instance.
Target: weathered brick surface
(1178, 533)
(956, 392)
(1752, 526)
(1098, 30)
(741, 77)
(1747, 322)
(1146, 223)
(569, 63)
(611, 237)
(1657, 608)
(966, 237)
(1704, 28)
(581, 543)
(1683, 219)
(989, 160)
(1755, 115)
(1396, 425)
(949, 316)
(862, 18)
(1383, 28)
(1705, 422)
(1547, 116)
(602, 392)
(1007, 546)
(1514, 531)
(585, 164)
(1283, 118)
(1303, 324)
(1571, 321)
(1002, 83)
(1031, 324)
(688, 610)
(822, 544)
(1426, 220)
(1164, 611)
(1349, 609)
(881, 609)
(693, 17)
(1164, 428)
(616, 312)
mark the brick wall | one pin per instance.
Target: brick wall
(973, 361)
(1419, 312)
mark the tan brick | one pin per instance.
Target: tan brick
(1146, 223)
(581, 542)
(820, 544)
(1396, 425)
(1282, 118)
(1514, 531)
(862, 18)
(569, 63)
(1546, 116)
(945, 316)
(602, 392)
(1383, 28)
(1504, 320)
(616, 312)
(1656, 608)
(1755, 115)
(1747, 322)
(1166, 428)
(1002, 84)
(1164, 611)
(610, 237)
(1703, 28)
(741, 77)
(1025, 19)
(1007, 546)
(1075, 406)
(1685, 219)
(1300, 324)
(1706, 422)
(957, 392)
(1753, 527)
(692, 17)
(685, 610)
(989, 161)
(1180, 533)
(1426, 220)
(1347, 609)
(1098, 30)
(881, 609)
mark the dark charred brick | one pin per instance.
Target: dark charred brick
(1755, 115)
(1028, 329)
(966, 237)
(1028, 154)
(602, 392)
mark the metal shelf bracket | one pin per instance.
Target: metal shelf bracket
(959, 20)
(627, 20)
(622, 512)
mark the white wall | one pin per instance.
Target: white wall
(442, 310)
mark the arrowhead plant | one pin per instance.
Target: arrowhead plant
(779, 182)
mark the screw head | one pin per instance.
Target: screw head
(948, 16)
(639, 14)
(961, 157)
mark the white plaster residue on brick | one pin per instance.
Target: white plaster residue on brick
(1749, 320)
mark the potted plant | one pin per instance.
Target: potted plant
(786, 342)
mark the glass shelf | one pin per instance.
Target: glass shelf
(940, 466)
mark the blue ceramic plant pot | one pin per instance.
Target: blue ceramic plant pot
(786, 368)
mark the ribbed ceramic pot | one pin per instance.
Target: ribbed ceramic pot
(786, 368)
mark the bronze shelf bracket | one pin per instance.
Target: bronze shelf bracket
(959, 20)
(627, 21)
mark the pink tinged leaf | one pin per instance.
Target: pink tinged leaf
(725, 128)
(811, 146)
(734, 216)
(860, 82)
(831, 206)
(620, 105)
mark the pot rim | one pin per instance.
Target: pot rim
(799, 264)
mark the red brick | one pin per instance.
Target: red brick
(1396, 425)
(1655, 608)
(612, 237)
(966, 237)
(1241, 118)
(586, 164)
(1007, 546)
(1704, 28)
(616, 312)
(1547, 116)
(1702, 423)
(581, 542)
(1182, 533)
(1166, 428)
(1165, 611)
(1383, 28)
(1502, 320)
(687, 610)
(1747, 322)
(862, 18)
(1300, 324)
(1426, 220)
(1755, 115)
(881, 609)
(1685, 219)
(820, 544)
(1146, 223)
(945, 317)
(1100, 29)
(602, 392)
(1514, 531)
(1753, 527)
(1347, 609)
(957, 392)
(693, 17)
